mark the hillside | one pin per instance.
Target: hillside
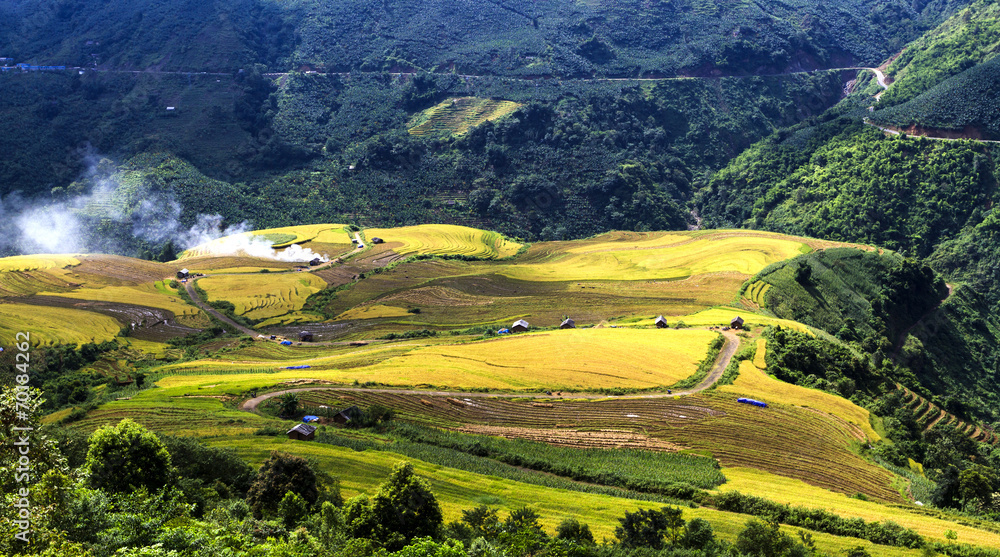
(406, 330)
(968, 38)
(514, 37)
(942, 88)
(963, 105)
(288, 113)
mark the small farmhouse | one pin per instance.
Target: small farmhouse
(736, 323)
(568, 324)
(302, 432)
(183, 274)
(377, 240)
(520, 326)
(660, 322)
(345, 416)
(305, 336)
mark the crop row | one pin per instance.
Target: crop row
(785, 440)
(929, 415)
(456, 116)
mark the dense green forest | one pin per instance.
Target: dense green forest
(967, 39)
(966, 103)
(509, 37)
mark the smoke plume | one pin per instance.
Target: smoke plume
(88, 219)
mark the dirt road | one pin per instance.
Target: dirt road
(732, 342)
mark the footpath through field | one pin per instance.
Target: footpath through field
(732, 342)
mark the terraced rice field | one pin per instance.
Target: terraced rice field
(458, 115)
(929, 415)
(801, 494)
(445, 239)
(299, 233)
(785, 440)
(754, 383)
(263, 295)
(145, 295)
(376, 311)
(757, 293)
(33, 262)
(210, 264)
(759, 356)
(657, 256)
(29, 282)
(53, 325)
(565, 359)
(557, 360)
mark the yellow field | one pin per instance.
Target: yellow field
(51, 325)
(146, 295)
(302, 232)
(663, 257)
(333, 235)
(372, 312)
(155, 349)
(289, 319)
(758, 358)
(757, 292)
(623, 240)
(263, 295)
(445, 239)
(565, 359)
(560, 360)
(31, 262)
(754, 383)
(457, 115)
(798, 493)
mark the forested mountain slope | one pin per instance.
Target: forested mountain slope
(841, 178)
(504, 37)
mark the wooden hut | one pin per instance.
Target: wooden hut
(377, 240)
(660, 322)
(346, 415)
(736, 323)
(305, 336)
(519, 326)
(183, 274)
(568, 324)
(302, 432)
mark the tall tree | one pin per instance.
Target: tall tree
(127, 456)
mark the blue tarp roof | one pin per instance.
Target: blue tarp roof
(752, 401)
(286, 342)
(310, 418)
(298, 367)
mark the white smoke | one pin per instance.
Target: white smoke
(57, 226)
(48, 230)
(208, 236)
(61, 226)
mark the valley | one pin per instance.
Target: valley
(532, 279)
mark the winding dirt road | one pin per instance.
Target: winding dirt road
(732, 342)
